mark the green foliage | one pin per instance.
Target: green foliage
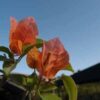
(70, 87)
(69, 68)
(35, 84)
(2, 58)
(8, 62)
(6, 50)
(19, 79)
(50, 96)
(89, 88)
(32, 82)
(8, 67)
(47, 87)
(28, 82)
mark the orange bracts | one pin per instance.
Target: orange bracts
(22, 33)
(32, 57)
(52, 58)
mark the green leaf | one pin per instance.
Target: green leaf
(70, 87)
(69, 68)
(47, 87)
(2, 58)
(8, 67)
(50, 96)
(6, 50)
(19, 79)
(31, 81)
(27, 82)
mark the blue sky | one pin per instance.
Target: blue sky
(75, 22)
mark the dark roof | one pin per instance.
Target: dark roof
(91, 74)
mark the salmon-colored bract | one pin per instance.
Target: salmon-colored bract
(51, 59)
(22, 33)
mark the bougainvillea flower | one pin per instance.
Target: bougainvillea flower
(33, 57)
(22, 33)
(52, 59)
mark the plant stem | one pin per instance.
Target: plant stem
(25, 95)
(30, 96)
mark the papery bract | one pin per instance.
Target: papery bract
(33, 57)
(52, 59)
(22, 33)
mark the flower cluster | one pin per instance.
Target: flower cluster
(45, 57)
(50, 60)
